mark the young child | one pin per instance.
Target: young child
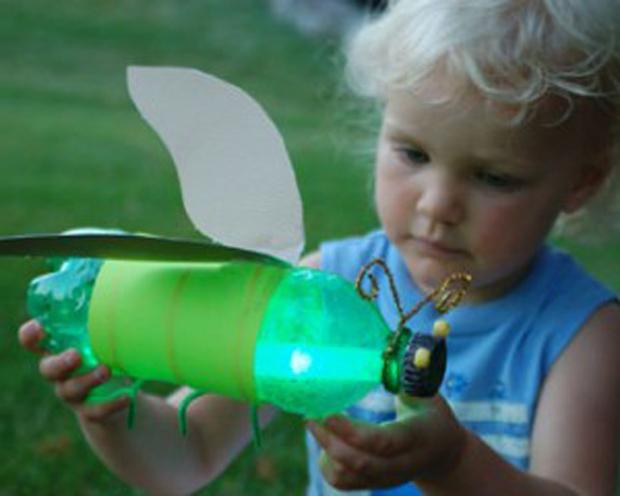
(498, 117)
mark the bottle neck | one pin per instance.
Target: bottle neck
(393, 359)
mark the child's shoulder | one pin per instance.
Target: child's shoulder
(559, 300)
(345, 256)
(373, 239)
(566, 278)
(582, 389)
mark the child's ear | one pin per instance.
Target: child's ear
(589, 180)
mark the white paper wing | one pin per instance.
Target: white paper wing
(237, 181)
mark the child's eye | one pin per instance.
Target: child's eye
(504, 182)
(414, 155)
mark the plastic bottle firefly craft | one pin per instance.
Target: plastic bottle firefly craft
(236, 316)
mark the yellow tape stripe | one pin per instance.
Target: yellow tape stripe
(170, 327)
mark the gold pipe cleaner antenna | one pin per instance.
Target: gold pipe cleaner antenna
(446, 296)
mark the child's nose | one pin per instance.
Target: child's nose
(441, 200)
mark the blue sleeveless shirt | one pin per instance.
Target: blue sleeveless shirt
(499, 352)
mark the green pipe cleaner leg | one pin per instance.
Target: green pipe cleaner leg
(183, 406)
(256, 427)
(132, 392)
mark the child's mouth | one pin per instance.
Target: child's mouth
(436, 248)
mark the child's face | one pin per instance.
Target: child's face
(458, 188)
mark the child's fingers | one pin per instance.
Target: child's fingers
(381, 440)
(30, 335)
(104, 411)
(347, 457)
(348, 467)
(75, 389)
(339, 476)
(59, 367)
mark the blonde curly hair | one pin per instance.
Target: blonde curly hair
(511, 51)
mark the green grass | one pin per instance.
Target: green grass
(73, 152)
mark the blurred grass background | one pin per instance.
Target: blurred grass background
(73, 152)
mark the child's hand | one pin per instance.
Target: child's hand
(425, 442)
(72, 389)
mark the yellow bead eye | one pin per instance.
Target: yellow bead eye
(422, 358)
(441, 329)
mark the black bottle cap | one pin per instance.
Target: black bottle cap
(424, 365)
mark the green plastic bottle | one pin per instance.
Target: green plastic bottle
(298, 338)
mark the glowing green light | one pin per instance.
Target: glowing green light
(320, 346)
(318, 363)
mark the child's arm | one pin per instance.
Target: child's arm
(574, 445)
(153, 455)
(156, 457)
(577, 427)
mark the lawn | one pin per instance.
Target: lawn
(73, 152)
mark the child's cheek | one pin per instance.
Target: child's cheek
(507, 232)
